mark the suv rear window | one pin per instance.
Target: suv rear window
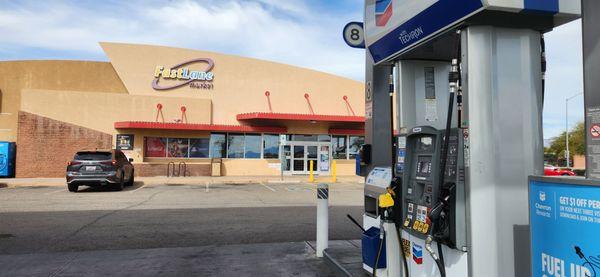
(93, 156)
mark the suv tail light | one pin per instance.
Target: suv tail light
(73, 163)
(113, 162)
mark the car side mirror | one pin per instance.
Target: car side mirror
(130, 160)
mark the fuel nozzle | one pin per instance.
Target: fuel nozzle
(436, 213)
(391, 84)
(437, 210)
(454, 76)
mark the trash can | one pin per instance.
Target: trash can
(215, 165)
(370, 244)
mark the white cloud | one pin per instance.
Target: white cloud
(283, 31)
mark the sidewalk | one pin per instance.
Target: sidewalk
(200, 180)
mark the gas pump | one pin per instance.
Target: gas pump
(467, 79)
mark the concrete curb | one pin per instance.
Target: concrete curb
(338, 267)
(199, 180)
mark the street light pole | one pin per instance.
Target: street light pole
(567, 153)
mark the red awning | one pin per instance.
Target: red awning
(197, 127)
(301, 117)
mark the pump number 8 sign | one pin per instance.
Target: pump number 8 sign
(354, 35)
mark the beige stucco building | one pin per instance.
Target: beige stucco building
(163, 104)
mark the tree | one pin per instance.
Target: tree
(576, 145)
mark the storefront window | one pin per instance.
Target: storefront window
(304, 137)
(252, 147)
(199, 148)
(155, 147)
(178, 147)
(339, 147)
(235, 146)
(324, 138)
(355, 142)
(271, 146)
(218, 145)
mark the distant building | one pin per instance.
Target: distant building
(163, 104)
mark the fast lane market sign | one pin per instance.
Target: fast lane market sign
(181, 75)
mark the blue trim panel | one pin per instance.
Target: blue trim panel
(544, 6)
(438, 16)
(382, 5)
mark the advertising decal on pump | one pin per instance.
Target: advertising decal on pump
(565, 223)
(417, 253)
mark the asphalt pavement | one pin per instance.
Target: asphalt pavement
(39, 222)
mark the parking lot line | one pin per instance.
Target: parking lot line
(138, 188)
(207, 184)
(268, 187)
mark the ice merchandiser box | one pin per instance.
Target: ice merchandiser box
(564, 216)
(7, 159)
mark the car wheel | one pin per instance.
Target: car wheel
(566, 174)
(119, 185)
(73, 187)
(131, 179)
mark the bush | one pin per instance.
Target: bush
(579, 172)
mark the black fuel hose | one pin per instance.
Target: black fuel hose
(441, 254)
(403, 253)
(355, 222)
(378, 255)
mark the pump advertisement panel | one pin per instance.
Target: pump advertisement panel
(565, 228)
(393, 26)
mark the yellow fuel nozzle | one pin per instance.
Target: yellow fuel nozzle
(386, 200)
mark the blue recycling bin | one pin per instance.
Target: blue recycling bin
(370, 243)
(7, 159)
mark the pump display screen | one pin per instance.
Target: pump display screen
(424, 166)
(425, 143)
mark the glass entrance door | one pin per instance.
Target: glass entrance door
(299, 159)
(311, 155)
(298, 155)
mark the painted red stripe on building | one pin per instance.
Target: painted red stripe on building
(197, 127)
(300, 117)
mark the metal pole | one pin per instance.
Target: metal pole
(567, 129)
(322, 218)
(281, 159)
(567, 152)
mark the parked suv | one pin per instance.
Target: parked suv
(100, 168)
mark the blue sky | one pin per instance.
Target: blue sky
(305, 33)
